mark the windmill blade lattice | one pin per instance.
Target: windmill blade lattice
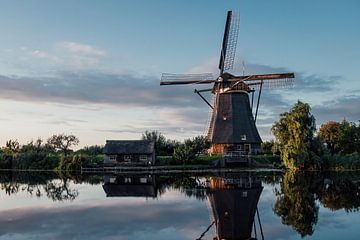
(273, 83)
(232, 41)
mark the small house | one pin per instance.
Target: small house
(129, 152)
(130, 186)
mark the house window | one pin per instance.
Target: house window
(112, 180)
(127, 158)
(244, 194)
(127, 180)
(239, 147)
(143, 158)
(112, 158)
(143, 180)
(243, 137)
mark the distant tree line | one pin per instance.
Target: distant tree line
(54, 153)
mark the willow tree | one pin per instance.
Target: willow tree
(294, 134)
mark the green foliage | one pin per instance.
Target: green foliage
(350, 137)
(91, 150)
(188, 151)
(36, 160)
(341, 162)
(184, 153)
(294, 134)
(6, 160)
(267, 146)
(163, 146)
(268, 159)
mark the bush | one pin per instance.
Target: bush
(341, 162)
(184, 153)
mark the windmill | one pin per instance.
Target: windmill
(232, 124)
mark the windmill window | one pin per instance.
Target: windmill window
(243, 137)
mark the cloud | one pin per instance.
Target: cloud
(97, 88)
(81, 49)
(346, 107)
(43, 55)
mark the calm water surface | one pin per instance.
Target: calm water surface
(180, 206)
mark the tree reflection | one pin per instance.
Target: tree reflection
(295, 203)
(59, 190)
(298, 193)
(341, 194)
(36, 184)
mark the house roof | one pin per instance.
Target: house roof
(138, 190)
(129, 147)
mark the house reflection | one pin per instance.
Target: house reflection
(130, 186)
(233, 199)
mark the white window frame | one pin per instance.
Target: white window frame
(143, 158)
(243, 137)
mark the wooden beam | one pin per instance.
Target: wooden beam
(187, 82)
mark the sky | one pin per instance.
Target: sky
(92, 68)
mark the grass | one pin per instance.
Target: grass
(201, 159)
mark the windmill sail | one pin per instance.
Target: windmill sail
(228, 49)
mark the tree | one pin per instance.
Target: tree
(330, 133)
(341, 137)
(184, 153)
(200, 144)
(294, 133)
(158, 138)
(349, 138)
(63, 142)
(190, 149)
(12, 146)
(268, 146)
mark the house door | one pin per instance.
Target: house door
(247, 148)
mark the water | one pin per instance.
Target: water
(267, 205)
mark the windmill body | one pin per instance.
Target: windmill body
(233, 122)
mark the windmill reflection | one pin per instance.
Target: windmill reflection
(233, 199)
(130, 186)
